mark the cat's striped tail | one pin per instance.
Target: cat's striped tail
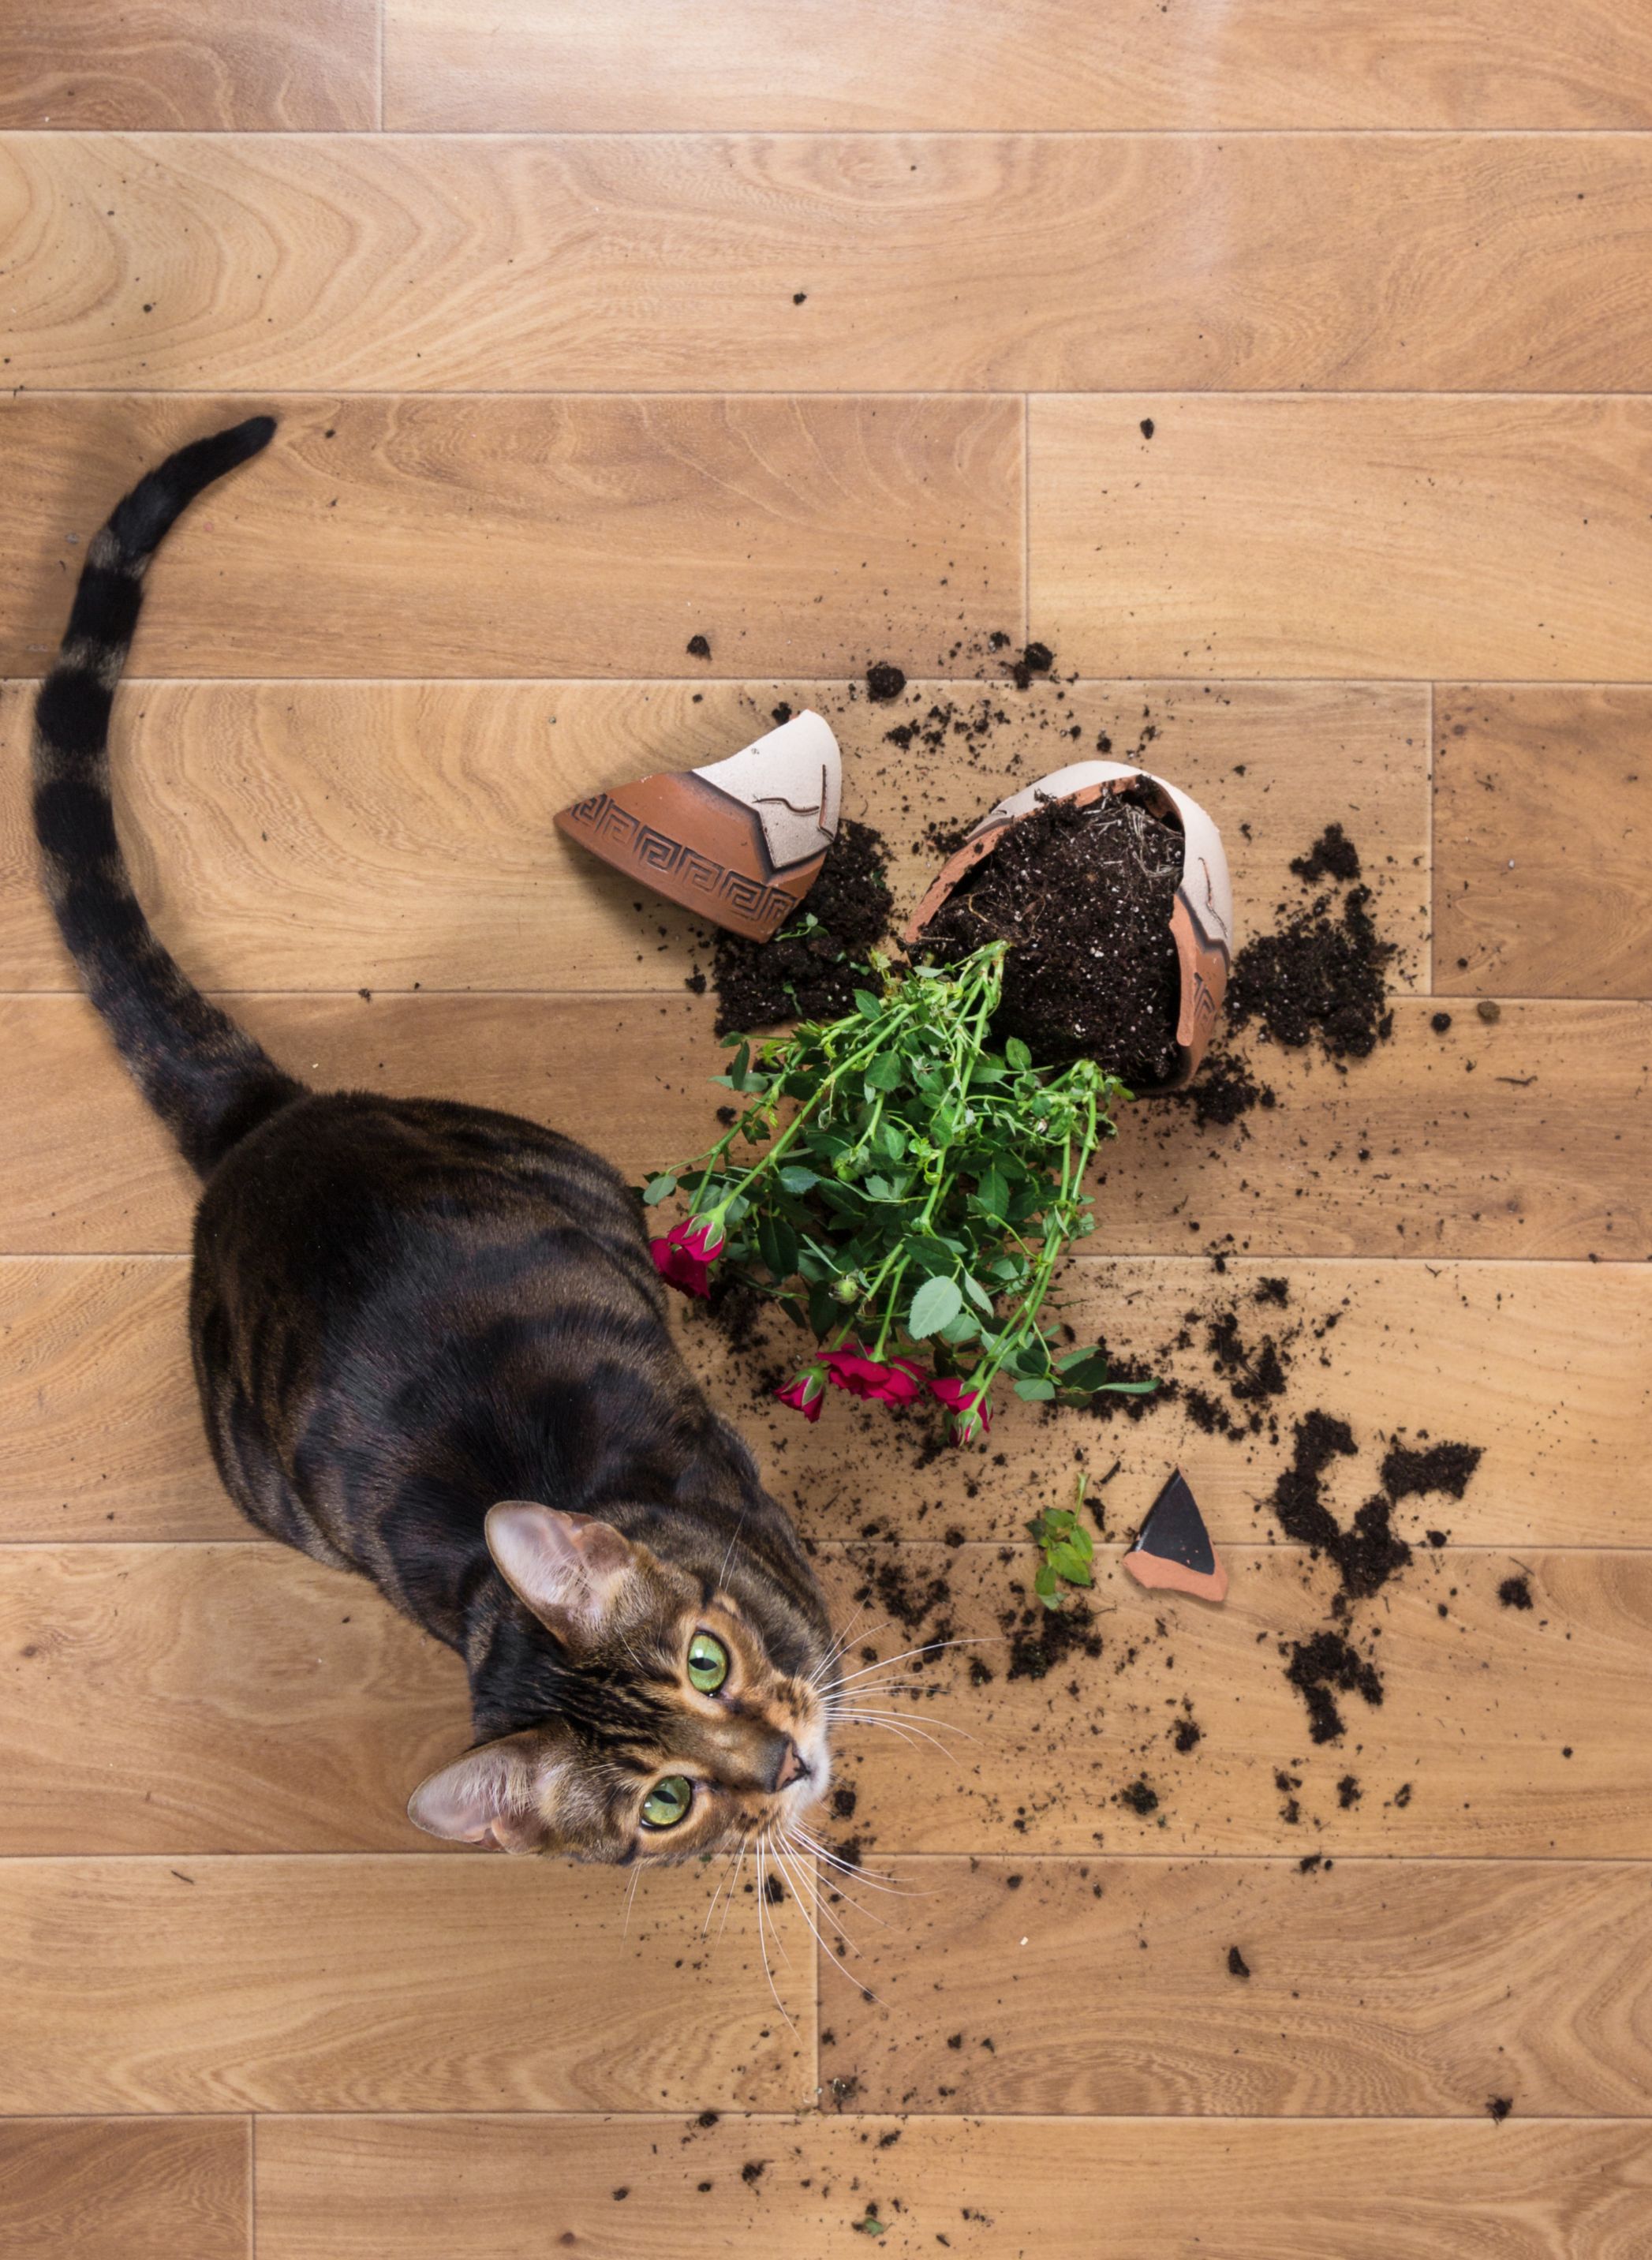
(209, 1082)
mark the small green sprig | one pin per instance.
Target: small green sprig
(897, 1184)
(1068, 1548)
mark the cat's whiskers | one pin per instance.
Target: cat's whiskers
(762, 1940)
(814, 1928)
(929, 1648)
(636, 1877)
(842, 1640)
(876, 1879)
(908, 1717)
(903, 1728)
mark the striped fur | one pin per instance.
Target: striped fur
(404, 1313)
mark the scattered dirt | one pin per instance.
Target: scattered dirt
(1515, 1593)
(1237, 1965)
(1442, 1467)
(813, 967)
(1321, 1665)
(1321, 976)
(1084, 895)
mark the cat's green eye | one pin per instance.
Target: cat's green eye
(668, 1801)
(708, 1664)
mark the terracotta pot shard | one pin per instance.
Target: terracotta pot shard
(741, 842)
(1201, 917)
(1173, 1550)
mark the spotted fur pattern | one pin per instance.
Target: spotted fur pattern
(407, 1312)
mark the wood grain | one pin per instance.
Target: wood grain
(1047, 263)
(349, 835)
(1362, 536)
(1525, 1138)
(190, 66)
(386, 1984)
(1544, 1369)
(1376, 1989)
(1005, 2189)
(178, 1700)
(151, 2189)
(207, 1698)
(498, 536)
(1465, 1756)
(1544, 880)
(894, 64)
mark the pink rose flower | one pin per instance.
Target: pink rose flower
(895, 1383)
(684, 1257)
(806, 1394)
(971, 1415)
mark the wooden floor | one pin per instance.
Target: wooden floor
(833, 333)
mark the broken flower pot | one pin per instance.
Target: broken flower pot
(741, 842)
(1197, 894)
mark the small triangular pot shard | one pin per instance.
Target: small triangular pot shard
(1173, 1550)
(741, 841)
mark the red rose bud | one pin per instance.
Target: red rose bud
(686, 1255)
(806, 1394)
(972, 1415)
(897, 1382)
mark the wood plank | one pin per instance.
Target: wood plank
(1544, 878)
(349, 835)
(1004, 2189)
(498, 536)
(387, 1984)
(1543, 1368)
(1525, 1138)
(109, 2189)
(1376, 1989)
(97, 1406)
(1049, 263)
(206, 1699)
(1466, 1754)
(183, 66)
(1358, 536)
(176, 1700)
(650, 65)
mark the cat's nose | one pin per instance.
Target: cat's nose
(790, 1767)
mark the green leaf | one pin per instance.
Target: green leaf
(993, 1193)
(1044, 1586)
(1016, 1054)
(795, 1178)
(935, 1305)
(869, 1007)
(1036, 1391)
(659, 1188)
(777, 1244)
(962, 1329)
(1129, 1388)
(883, 1073)
(1087, 1369)
(977, 1294)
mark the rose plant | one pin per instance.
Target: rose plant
(906, 1190)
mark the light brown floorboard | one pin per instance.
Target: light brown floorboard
(208, 1698)
(1490, 536)
(496, 536)
(108, 2189)
(347, 836)
(890, 64)
(241, 1698)
(1544, 880)
(1544, 1369)
(389, 1985)
(1007, 2189)
(190, 66)
(1467, 1753)
(1376, 1989)
(1043, 263)
(1523, 1139)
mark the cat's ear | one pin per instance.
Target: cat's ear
(568, 1568)
(494, 1795)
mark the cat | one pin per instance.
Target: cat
(431, 1346)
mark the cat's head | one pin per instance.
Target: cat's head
(675, 1731)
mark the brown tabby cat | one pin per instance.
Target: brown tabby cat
(431, 1346)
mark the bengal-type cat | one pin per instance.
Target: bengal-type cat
(431, 1346)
